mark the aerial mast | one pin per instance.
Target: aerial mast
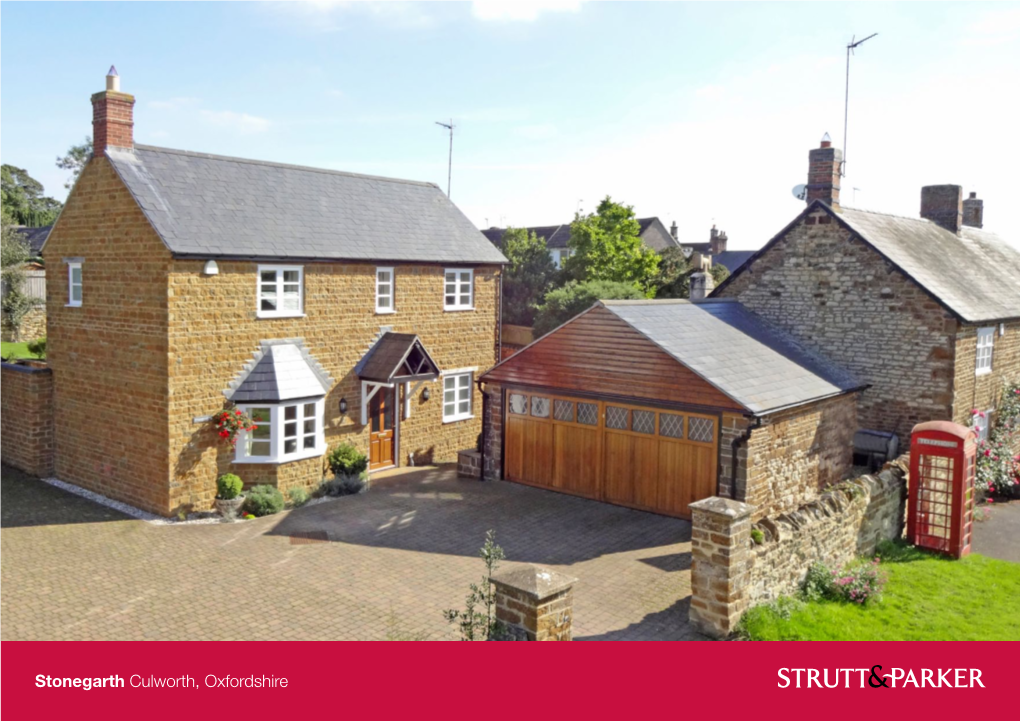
(846, 100)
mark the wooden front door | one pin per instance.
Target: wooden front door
(381, 441)
(648, 458)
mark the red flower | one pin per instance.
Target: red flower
(224, 434)
(237, 413)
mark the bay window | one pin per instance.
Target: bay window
(283, 432)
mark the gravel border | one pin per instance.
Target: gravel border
(201, 518)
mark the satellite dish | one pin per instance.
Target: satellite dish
(800, 192)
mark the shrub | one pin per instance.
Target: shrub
(345, 459)
(263, 501)
(344, 484)
(228, 486)
(998, 469)
(757, 620)
(858, 581)
(757, 536)
(298, 496)
(37, 347)
(478, 619)
(564, 303)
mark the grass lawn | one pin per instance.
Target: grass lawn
(927, 598)
(15, 350)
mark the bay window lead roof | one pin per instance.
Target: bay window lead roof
(281, 370)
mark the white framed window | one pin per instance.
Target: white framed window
(74, 286)
(460, 289)
(559, 256)
(281, 291)
(283, 432)
(985, 343)
(457, 396)
(384, 291)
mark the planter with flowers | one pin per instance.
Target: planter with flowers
(228, 422)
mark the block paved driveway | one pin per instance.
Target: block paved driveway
(380, 565)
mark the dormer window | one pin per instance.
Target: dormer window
(281, 291)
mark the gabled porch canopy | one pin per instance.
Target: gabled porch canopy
(395, 358)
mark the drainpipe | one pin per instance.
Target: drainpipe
(485, 415)
(739, 441)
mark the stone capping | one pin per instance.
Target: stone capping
(734, 510)
(19, 368)
(536, 581)
(534, 604)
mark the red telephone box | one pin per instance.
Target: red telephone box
(942, 464)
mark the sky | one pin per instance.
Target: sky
(698, 113)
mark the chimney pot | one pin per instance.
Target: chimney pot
(674, 231)
(943, 205)
(974, 211)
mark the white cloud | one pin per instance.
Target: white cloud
(241, 122)
(172, 103)
(520, 10)
(994, 28)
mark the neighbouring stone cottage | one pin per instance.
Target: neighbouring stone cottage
(925, 310)
(658, 404)
(330, 306)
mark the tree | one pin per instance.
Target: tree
(14, 253)
(75, 160)
(23, 199)
(562, 304)
(674, 275)
(719, 273)
(528, 277)
(607, 245)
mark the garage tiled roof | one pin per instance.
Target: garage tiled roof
(209, 205)
(737, 351)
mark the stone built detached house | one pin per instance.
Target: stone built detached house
(925, 310)
(333, 307)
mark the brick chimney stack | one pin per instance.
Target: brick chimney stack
(112, 117)
(943, 205)
(974, 211)
(717, 241)
(823, 173)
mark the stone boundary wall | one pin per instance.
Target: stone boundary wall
(33, 326)
(730, 572)
(26, 416)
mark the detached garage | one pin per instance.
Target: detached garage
(657, 404)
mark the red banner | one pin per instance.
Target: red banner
(834, 680)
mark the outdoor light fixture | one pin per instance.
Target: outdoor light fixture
(425, 394)
(343, 406)
(211, 268)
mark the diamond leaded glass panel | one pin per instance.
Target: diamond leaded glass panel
(588, 414)
(671, 425)
(563, 410)
(644, 422)
(518, 404)
(616, 418)
(701, 430)
(539, 407)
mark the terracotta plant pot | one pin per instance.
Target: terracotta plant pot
(229, 509)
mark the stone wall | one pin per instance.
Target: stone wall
(492, 451)
(797, 453)
(730, 572)
(109, 356)
(838, 296)
(26, 415)
(213, 331)
(33, 326)
(984, 392)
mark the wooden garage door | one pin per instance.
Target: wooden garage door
(635, 456)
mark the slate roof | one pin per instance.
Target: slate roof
(209, 205)
(557, 236)
(976, 274)
(281, 370)
(753, 362)
(732, 259)
(383, 362)
(35, 237)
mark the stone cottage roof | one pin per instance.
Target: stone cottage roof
(975, 275)
(35, 237)
(214, 206)
(750, 360)
(558, 236)
(281, 370)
